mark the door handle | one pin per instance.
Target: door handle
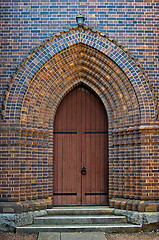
(83, 171)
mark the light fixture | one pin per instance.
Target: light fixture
(80, 20)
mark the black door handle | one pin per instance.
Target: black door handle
(83, 171)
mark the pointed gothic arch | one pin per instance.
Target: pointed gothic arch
(41, 82)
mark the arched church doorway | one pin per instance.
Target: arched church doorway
(81, 150)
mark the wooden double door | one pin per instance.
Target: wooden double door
(81, 150)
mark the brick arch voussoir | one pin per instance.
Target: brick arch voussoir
(116, 94)
(132, 69)
(43, 74)
(82, 37)
(89, 80)
(116, 83)
(93, 86)
(49, 70)
(111, 70)
(73, 79)
(50, 103)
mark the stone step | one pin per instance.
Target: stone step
(94, 210)
(80, 219)
(107, 228)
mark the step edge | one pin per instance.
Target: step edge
(79, 226)
(76, 217)
(80, 209)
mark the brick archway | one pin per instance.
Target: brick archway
(97, 40)
(42, 81)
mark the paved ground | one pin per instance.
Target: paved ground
(99, 236)
(153, 235)
(133, 236)
(72, 236)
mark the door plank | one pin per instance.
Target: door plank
(95, 183)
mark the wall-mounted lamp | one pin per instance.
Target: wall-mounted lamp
(80, 20)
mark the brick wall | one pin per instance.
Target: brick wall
(30, 101)
(25, 24)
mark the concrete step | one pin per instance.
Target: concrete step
(107, 228)
(94, 210)
(80, 219)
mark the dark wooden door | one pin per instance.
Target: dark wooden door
(81, 150)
